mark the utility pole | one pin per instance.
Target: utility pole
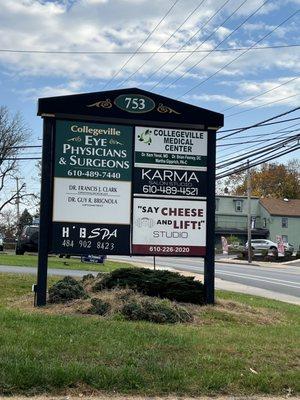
(18, 205)
(249, 219)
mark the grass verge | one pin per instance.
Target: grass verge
(222, 354)
(60, 263)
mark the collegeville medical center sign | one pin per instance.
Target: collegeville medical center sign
(126, 172)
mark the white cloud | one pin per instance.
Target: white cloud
(49, 91)
(93, 25)
(213, 98)
(246, 90)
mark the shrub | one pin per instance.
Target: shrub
(100, 307)
(100, 275)
(155, 310)
(124, 294)
(164, 284)
(87, 277)
(66, 289)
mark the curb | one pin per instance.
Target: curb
(256, 264)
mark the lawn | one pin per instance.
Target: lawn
(60, 263)
(57, 354)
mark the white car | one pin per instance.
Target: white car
(265, 244)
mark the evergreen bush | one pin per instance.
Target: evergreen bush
(65, 290)
(155, 310)
(164, 284)
(87, 277)
(100, 307)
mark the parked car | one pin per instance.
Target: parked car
(289, 247)
(1, 243)
(28, 240)
(89, 258)
(265, 244)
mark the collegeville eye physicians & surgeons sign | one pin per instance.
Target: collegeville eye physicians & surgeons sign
(126, 172)
(92, 188)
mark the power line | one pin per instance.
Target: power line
(257, 141)
(269, 153)
(257, 135)
(230, 158)
(141, 45)
(279, 131)
(270, 123)
(241, 169)
(23, 158)
(274, 150)
(23, 147)
(259, 124)
(239, 157)
(240, 55)
(230, 161)
(261, 94)
(262, 105)
(222, 41)
(202, 26)
(127, 52)
(252, 153)
(165, 42)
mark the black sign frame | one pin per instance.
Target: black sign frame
(61, 109)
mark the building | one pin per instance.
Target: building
(270, 217)
(281, 217)
(232, 217)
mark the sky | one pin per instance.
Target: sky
(176, 42)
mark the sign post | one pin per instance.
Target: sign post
(45, 214)
(127, 172)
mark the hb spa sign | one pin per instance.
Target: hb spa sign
(126, 172)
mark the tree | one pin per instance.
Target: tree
(8, 223)
(13, 135)
(271, 180)
(25, 219)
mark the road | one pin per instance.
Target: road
(279, 282)
(280, 279)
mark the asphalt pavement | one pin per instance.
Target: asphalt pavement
(280, 279)
(281, 282)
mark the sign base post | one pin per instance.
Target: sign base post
(209, 260)
(45, 215)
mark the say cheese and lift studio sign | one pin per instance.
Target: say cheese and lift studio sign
(128, 189)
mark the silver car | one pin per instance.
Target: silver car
(265, 244)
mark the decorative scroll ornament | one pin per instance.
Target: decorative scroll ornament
(75, 139)
(164, 109)
(102, 103)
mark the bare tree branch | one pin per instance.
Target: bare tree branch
(13, 134)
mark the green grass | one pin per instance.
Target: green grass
(60, 263)
(54, 353)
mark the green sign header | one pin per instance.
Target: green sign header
(93, 151)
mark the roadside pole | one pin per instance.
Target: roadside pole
(45, 215)
(18, 205)
(209, 259)
(249, 219)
